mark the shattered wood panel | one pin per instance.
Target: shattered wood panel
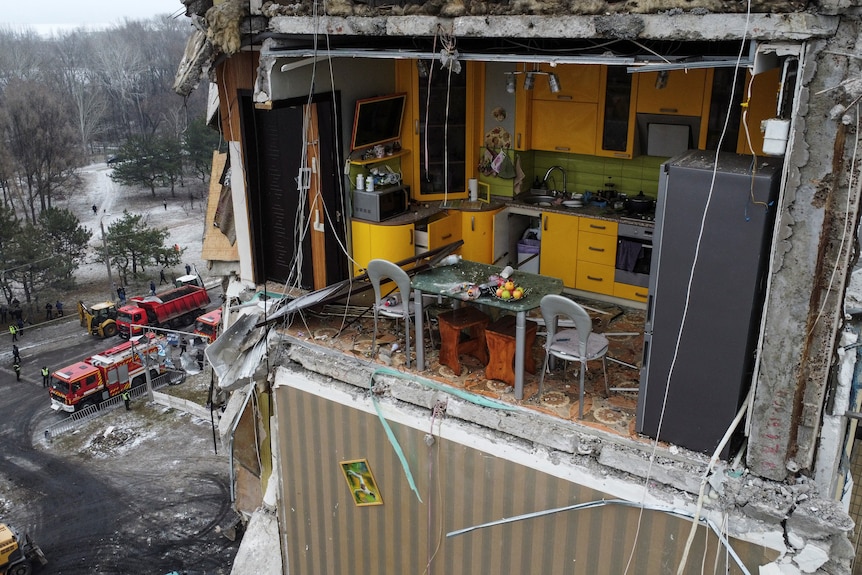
(236, 73)
(216, 245)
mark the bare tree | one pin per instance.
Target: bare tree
(42, 142)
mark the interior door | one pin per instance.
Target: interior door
(275, 155)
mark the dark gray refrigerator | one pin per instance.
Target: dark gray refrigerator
(713, 364)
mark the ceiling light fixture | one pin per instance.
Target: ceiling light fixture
(553, 82)
(528, 81)
(510, 82)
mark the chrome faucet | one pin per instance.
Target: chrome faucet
(548, 175)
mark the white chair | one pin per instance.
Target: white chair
(398, 305)
(579, 344)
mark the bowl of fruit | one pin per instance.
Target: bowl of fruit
(509, 291)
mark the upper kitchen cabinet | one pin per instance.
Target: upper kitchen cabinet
(443, 114)
(676, 92)
(762, 105)
(577, 83)
(616, 122)
(567, 120)
(564, 126)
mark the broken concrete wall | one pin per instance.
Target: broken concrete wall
(815, 239)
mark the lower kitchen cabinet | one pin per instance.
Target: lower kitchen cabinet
(559, 249)
(632, 292)
(597, 252)
(444, 228)
(371, 241)
(478, 233)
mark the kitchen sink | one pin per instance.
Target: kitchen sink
(536, 199)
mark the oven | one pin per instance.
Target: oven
(634, 253)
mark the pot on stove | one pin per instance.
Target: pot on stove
(639, 204)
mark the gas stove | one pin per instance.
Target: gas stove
(635, 217)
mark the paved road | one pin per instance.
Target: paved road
(147, 509)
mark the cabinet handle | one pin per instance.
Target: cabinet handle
(594, 279)
(639, 294)
(545, 226)
(567, 98)
(595, 227)
(668, 110)
(472, 223)
(411, 236)
(446, 237)
(416, 127)
(591, 248)
(518, 140)
(562, 148)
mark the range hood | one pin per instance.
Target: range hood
(667, 135)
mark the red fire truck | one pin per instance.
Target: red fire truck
(103, 375)
(209, 325)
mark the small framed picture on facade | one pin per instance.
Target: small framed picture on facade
(361, 482)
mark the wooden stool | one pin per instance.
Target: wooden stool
(452, 325)
(501, 347)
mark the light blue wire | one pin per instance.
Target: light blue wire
(477, 399)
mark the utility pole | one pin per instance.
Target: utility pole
(108, 261)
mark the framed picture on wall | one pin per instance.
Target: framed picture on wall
(360, 481)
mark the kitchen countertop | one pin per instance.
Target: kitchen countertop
(420, 211)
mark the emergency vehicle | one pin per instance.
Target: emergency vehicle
(208, 325)
(103, 375)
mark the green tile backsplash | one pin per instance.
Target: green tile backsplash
(587, 172)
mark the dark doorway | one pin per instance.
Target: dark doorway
(273, 140)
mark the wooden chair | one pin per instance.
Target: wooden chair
(462, 331)
(500, 336)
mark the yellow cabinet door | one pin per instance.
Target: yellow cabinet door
(564, 126)
(597, 248)
(559, 249)
(598, 226)
(632, 292)
(375, 241)
(578, 83)
(679, 92)
(477, 231)
(594, 277)
(444, 230)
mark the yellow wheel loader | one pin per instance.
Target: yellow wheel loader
(18, 553)
(99, 319)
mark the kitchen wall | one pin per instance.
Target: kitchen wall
(583, 173)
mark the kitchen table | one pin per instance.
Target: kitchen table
(448, 281)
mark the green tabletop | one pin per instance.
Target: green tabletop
(450, 280)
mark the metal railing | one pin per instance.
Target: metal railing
(85, 414)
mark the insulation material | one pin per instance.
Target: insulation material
(224, 21)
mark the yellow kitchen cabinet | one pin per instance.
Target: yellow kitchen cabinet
(597, 254)
(444, 228)
(595, 278)
(559, 250)
(678, 92)
(597, 248)
(617, 113)
(762, 105)
(632, 292)
(564, 126)
(578, 83)
(477, 231)
(373, 241)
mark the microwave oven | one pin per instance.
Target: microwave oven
(380, 204)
